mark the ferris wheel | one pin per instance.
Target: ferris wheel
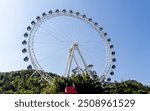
(64, 42)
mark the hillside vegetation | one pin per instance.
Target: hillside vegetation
(25, 82)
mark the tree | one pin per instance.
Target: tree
(21, 82)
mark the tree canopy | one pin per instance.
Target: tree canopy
(28, 82)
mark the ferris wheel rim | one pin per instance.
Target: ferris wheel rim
(45, 17)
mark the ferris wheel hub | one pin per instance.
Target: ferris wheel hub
(73, 46)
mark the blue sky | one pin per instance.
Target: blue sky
(126, 22)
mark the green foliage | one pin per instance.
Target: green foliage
(22, 82)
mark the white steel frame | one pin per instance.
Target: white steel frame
(71, 57)
(34, 29)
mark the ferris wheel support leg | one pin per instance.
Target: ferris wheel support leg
(66, 67)
(77, 48)
(71, 57)
(76, 62)
(69, 61)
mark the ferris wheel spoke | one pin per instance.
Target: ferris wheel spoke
(51, 35)
(97, 59)
(49, 51)
(48, 41)
(91, 61)
(90, 54)
(74, 31)
(60, 32)
(91, 41)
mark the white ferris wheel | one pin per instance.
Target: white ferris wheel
(64, 42)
